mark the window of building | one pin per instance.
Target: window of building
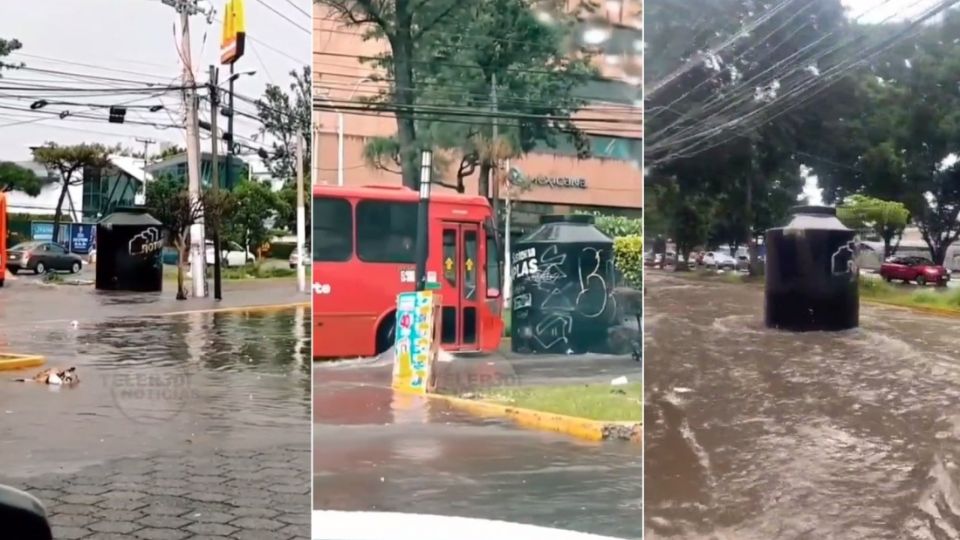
(332, 230)
(386, 231)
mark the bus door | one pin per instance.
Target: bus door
(460, 286)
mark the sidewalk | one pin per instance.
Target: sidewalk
(28, 303)
(235, 494)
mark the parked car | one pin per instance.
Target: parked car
(917, 269)
(42, 257)
(231, 254)
(719, 260)
(295, 258)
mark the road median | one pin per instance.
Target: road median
(13, 361)
(593, 417)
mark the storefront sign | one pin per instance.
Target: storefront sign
(42, 231)
(563, 182)
(416, 339)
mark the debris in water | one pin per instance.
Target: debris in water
(619, 381)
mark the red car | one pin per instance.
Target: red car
(916, 269)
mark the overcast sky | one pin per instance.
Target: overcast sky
(134, 40)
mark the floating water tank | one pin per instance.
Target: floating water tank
(129, 251)
(812, 273)
(562, 280)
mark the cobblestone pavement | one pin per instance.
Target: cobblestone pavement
(236, 494)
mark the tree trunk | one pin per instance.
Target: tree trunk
(753, 266)
(483, 181)
(58, 215)
(181, 244)
(401, 45)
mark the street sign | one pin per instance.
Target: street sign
(234, 32)
(81, 238)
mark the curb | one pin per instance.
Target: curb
(238, 309)
(928, 310)
(10, 361)
(581, 428)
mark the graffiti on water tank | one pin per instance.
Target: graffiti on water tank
(844, 260)
(593, 288)
(552, 329)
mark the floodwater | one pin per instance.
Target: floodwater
(152, 384)
(759, 434)
(380, 451)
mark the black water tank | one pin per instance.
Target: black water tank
(130, 251)
(811, 273)
(562, 281)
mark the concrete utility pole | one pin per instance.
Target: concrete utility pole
(301, 221)
(215, 173)
(198, 260)
(146, 148)
(506, 241)
(421, 249)
(495, 189)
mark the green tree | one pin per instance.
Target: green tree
(903, 133)
(16, 178)
(285, 115)
(403, 25)
(8, 46)
(502, 41)
(886, 219)
(69, 163)
(170, 202)
(254, 204)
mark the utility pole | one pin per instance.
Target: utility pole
(301, 220)
(198, 261)
(215, 176)
(495, 190)
(507, 285)
(423, 214)
(146, 148)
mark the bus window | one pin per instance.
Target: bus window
(386, 231)
(450, 256)
(494, 267)
(469, 265)
(332, 230)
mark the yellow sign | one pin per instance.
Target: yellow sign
(234, 32)
(469, 265)
(448, 264)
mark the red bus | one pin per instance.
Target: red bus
(3, 238)
(363, 257)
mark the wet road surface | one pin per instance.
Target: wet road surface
(208, 409)
(758, 434)
(376, 450)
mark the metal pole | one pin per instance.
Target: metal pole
(506, 240)
(198, 266)
(495, 189)
(423, 214)
(301, 220)
(215, 174)
(340, 149)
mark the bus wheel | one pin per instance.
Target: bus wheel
(386, 333)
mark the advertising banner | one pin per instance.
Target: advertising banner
(416, 340)
(81, 238)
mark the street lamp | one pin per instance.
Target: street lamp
(235, 76)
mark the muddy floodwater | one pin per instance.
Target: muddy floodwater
(148, 384)
(378, 450)
(758, 434)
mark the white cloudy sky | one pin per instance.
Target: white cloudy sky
(134, 40)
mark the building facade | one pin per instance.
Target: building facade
(610, 180)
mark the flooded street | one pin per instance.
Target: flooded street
(758, 434)
(377, 450)
(191, 423)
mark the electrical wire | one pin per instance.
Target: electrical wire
(280, 14)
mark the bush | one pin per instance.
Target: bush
(617, 226)
(628, 258)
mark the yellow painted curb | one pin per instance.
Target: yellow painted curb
(239, 309)
(581, 428)
(929, 310)
(10, 361)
